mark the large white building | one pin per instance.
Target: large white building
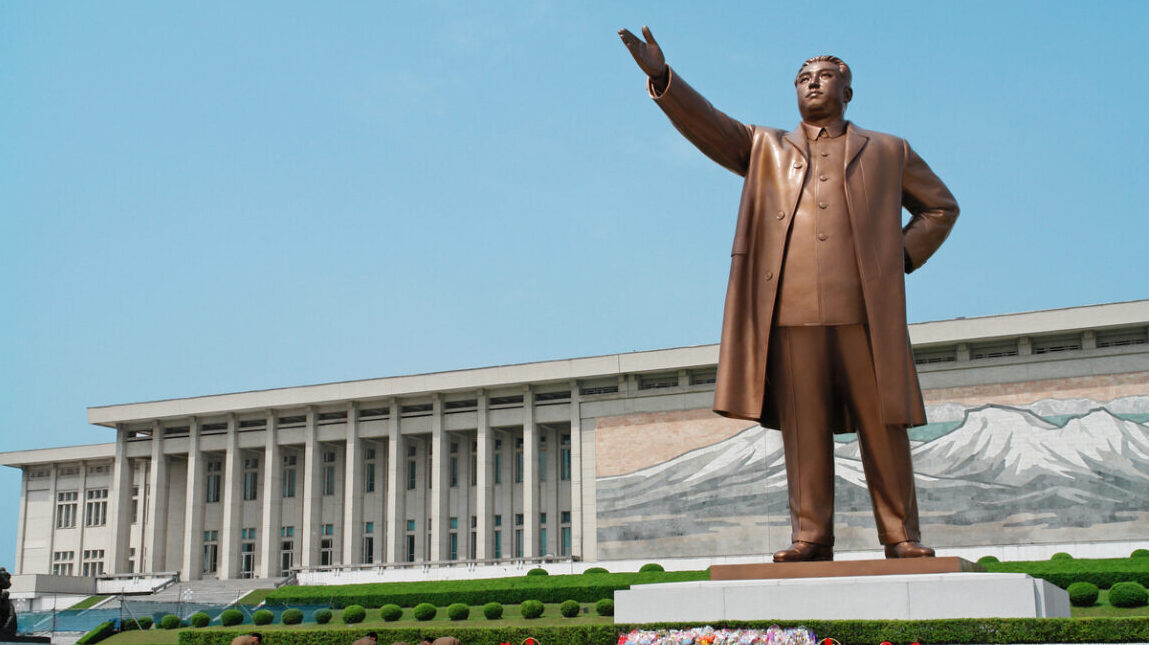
(601, 458)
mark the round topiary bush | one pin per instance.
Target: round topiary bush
(493, 610)
(531, 608)
(145, 622)
(1061, 555)
(322, 616)
(198, 619)
(604, 607)
(230, 617)
(424, 611)
(354, 614)
(390, 612)
(128, 625)
(650, 566)
(171, 621)
(1128, 594)
(569, 608)
(987, 559)
(1139, 553)
(537, 571)
(594, 570)
(262, 617)
(291, 616)
(458, 611)
(1083, 594)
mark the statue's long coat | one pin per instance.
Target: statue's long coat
(883, 175)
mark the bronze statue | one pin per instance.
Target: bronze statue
(814, 335)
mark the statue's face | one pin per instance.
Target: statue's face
(822, 91)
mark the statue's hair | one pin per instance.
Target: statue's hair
(843, 68)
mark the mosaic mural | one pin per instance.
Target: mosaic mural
(1054, 470)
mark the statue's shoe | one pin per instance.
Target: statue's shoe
(908, 549)
(805, 552)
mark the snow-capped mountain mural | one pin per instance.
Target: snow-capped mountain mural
(1039, 472)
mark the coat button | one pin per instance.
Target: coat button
(823, 205)
(823, 178)
(769, 275)
(798, 164)
(821, 236)
(781, 215)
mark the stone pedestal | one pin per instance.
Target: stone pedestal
(890, 590)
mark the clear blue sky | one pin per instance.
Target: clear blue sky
(199, 198)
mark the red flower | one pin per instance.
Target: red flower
(886, 643)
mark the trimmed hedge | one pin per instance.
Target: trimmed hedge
(1139, 553)
(354, 614)
(199, 619)
(507, 591)
(145, 622)
(988, 559)
(262, 617)
(650, 566)
(390, 612)
(231, 617)
(594, 571)
(569, 608)
(493, 611)
(604, 607)
(1061, 555)
(934, 632)
(458, 611)
(538, 571)
(1103, 572)
(291, 616)
(424, 611)
(98, 633)
(531, 609)
(1128, 594)
(322, 616)
(170, 621)
(1083, 594)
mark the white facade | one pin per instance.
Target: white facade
(481, 465)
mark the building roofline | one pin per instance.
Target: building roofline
(508, 376)
(88, 452)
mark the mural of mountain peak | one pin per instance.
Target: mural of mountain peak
(1053, 471)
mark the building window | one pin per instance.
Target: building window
(250, 479)
(410, 548)
(328, 529)
(565, 458)
(453, 544)
(66, 503)
(474, 463)
(211, 482)
(565, 533)
(542, 459)
(498, 465)
(286, 548)
(135, 504)
(93, 564)
(210, 551)
(518, 535)
(472, 546)
(329, 480)
(326, 552)
(96, 509)
(368, 549)
(542, 533)
(288, 479)
(63, 563)
(328, 456)
(247, 554)
(519, 461)
(454, 469)
(411, 475)
(369, 471)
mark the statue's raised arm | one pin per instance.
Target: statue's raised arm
(647, 54)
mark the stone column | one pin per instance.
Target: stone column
(550, 491)
(53, 473)
(192, 568)
(232, 504)
(352, 488)
(18, 563)
(396, 490)
(530, 476)
(440, 493)
(309, 556)
(271, 506)
(155, 537)
(484, 480)
(576, 471)
(119, 506)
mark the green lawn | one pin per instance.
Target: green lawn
(255, 597)
(87, 602)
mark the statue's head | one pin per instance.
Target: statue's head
(5, 578)
(823, 86)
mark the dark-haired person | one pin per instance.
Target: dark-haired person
(254, 638)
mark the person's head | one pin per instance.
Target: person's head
(824, 88)
(373, 636)
(257, 636)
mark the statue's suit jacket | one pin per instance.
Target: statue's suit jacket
(882, 176)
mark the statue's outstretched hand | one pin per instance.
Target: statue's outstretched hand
(647, 54)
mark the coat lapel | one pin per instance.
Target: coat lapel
(855, 141)
(798, 139)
